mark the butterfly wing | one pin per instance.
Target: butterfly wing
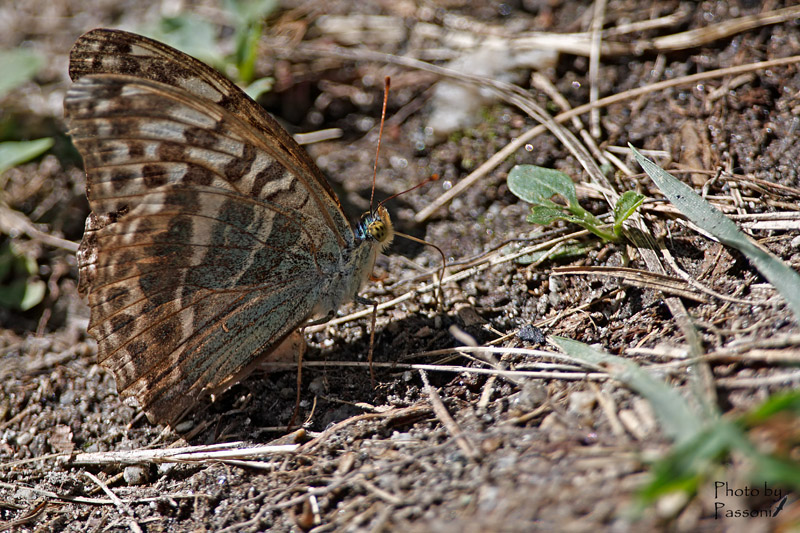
(209, 241)
(108, 51)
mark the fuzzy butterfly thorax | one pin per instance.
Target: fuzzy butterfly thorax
(373, 234)
(213, 236)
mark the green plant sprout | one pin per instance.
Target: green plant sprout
(537, 185)
(703, 442)
(197, 37)
(693, 462)
(248, 16)
(19, 66)
(20, 290)
(13, 153)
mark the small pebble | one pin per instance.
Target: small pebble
(136, 474)
(582, 402)
(532, 334)
(184, 427)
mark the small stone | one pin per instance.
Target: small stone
(136, 474)
(532, 334)
(553, 428)
(25, 438)
(582, 402)
(184, 427)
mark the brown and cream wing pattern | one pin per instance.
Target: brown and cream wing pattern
(212, 233)
(108, 51)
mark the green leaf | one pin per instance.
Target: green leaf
(19, 289)
(684, 467)
(547, 215)
(190, 34)
(710, 219)
(687, 464)
(249, 16)
(34, 294)
(22, 294)
(248, 11)
(17, 67)
(13, 153)
(778, 403)
(536, 185)
(568, 251)
(247, 50)
(677, 420)
(259, 87)
(777, 471)
(27, 265)
(625, 207)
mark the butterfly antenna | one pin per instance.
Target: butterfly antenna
(386, 84)
(433, 177)
(439, 294)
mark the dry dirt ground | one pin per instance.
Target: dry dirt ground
(563, 448)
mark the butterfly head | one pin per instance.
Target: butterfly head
(376, 226)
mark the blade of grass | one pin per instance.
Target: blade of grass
(677, 420)
(684, 468)
(691, 463)
(706, 216)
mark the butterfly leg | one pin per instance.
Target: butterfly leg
(300, 354)
(374, 305)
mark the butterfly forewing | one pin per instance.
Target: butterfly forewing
(104, 51)
(209, 236)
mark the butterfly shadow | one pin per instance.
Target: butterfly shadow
(336, 381)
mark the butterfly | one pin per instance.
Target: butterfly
(213, 235)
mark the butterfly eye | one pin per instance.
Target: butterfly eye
(377, 230)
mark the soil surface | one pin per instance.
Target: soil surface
(562, 448)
